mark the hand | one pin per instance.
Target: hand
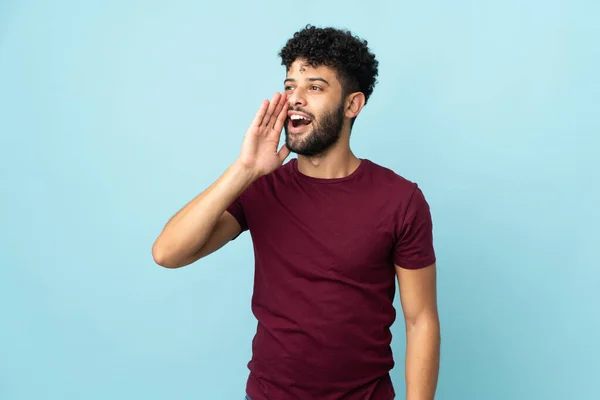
(259, 148)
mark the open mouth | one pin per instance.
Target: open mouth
(299, 121)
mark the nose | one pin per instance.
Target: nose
(297, 98)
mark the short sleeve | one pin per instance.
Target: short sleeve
(414, 234)
(237, 210)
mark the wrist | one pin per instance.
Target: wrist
(244, 172)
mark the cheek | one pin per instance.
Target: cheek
(320, 111)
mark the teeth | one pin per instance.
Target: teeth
(296, 117)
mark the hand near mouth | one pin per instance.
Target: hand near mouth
(259, 148)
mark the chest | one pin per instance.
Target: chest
(345, 234)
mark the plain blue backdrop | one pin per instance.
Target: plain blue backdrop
(114, 114)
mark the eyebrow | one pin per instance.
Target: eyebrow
(319, 79)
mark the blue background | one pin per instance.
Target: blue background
(114, 114)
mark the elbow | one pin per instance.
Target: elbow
(423, 321)
(160, 256)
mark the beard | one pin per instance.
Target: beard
(326, 131)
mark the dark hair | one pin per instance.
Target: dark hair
(349, 55)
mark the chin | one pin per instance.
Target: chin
(295, 140)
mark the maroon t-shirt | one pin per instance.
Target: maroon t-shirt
(324, 278)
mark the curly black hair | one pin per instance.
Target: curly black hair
(349, 55)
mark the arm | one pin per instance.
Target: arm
(203, 225)
(419, 304)
(182, 241)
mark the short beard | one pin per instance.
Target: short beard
(324, 134)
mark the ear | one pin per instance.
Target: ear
(354, 103)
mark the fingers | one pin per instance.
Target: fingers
(281, 106)
(281, 116)
(271, 114)
(274, 103)
(260, 114)
(283, 153)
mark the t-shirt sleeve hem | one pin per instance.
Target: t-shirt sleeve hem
(238, 218)
(415, 264)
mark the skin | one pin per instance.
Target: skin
(305, 92)
(419, 304)
(203, 225)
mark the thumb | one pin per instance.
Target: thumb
(283, 153)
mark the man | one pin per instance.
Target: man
(331, 233)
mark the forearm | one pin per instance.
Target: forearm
(191, 227)
(422, 358)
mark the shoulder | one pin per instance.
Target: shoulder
(393, 183)
(280, 174)
(265, 183)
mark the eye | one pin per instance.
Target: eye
(314, 87)
(289, 88)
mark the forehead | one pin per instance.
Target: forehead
(301, 69)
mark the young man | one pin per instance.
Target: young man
(331, 234)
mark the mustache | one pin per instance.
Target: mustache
(300, 109)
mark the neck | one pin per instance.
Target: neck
(336, 162)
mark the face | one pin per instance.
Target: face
(316, 109)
